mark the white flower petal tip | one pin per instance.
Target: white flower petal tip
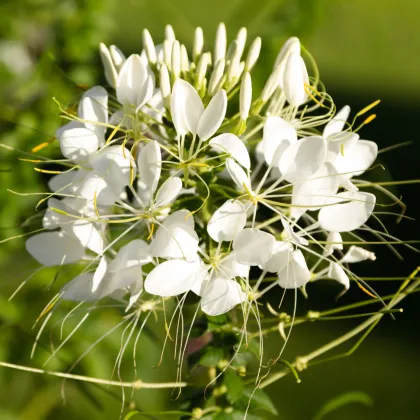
(234, 146)
(99, 274)
(213, 116)
(220, 296)
(296, 273)
(171, 278)
(336, 272)
(168, 192)
(352, 210)
(253, 246)
(337, 124)
(77, 142)
(357, 254)
(227, 221)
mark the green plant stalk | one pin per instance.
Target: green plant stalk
(301, 362)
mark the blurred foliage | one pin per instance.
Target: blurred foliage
(48, 48)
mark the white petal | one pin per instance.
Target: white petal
(303, 158)
(172, 278)
(296, 273)
(220, 296)
(63, 182)
(339, 145)
(294, 79)
(168, 192)
(93, 184)
(278, 134)
(134, 84)
(176, 238)
(88, 235)
(336, 124)
(238, 175)
(234, 146)
(347, 216)
(149, 164)
(280, 258)
(93, 108)
(291, 236)
(55, 248)
(99, 274)
(316, 191)
(186, 108)
(253, 246)
(77, 142)
(53, 219)
(227, 221)
(356, 160)
(337, 273)
(115, 164)
(357, 254)
(336, 240)
(213, 116)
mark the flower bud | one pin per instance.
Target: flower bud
(176, 59)
(294, 80)
(198, 43)
(149, 47)
(216, 76)
(272, 83)
(165, 84)
(202, 69)
(167, 53)
(245, 97)
(169, 33)
(185, 63)
(241, 40)
(253, 54)
(220, 44)
(117, 56)
(111, 74)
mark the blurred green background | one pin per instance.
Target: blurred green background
(365, 51)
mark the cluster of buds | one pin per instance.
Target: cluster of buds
(181, 179)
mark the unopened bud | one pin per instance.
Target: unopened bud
(241, 40)
(202, 69)
(149, 46)
(111, 74)
(169, 33)
(176, 59)
(245, 96)
(216, 76)
(167, 53)
(253, 54)
(290, 46)
(185, 63)
(198, 43)
(165, 84)
(272, 83)
(295, 80)
(220, 44)
(117, 56)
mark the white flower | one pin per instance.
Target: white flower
(189, 115)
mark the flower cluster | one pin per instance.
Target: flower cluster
(182, 179)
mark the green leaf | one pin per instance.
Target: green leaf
(211, 357)
(260, 400)
(342, 400)
(234, 385)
